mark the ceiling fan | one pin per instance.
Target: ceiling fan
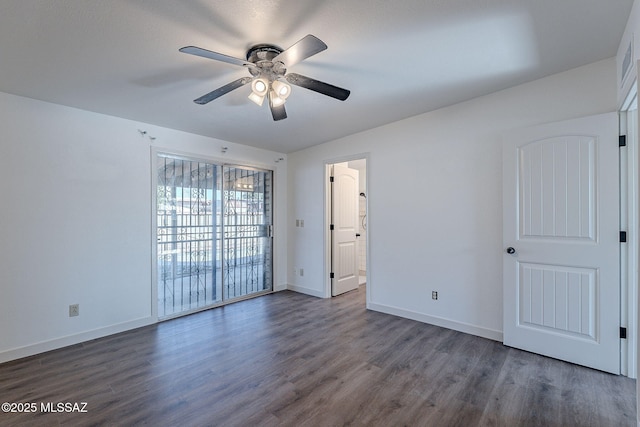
(268, 65)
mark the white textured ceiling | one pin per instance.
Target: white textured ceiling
(398, 58)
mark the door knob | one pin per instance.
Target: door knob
(511, 250)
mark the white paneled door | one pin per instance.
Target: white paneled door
(561, 241)
(344, 218)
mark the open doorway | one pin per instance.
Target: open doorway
(361, 166)
(346, 217)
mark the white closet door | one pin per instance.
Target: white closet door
(561, 221)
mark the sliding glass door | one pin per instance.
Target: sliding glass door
(214, 242)
(247, 231)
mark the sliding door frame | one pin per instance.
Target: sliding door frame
(158, 152)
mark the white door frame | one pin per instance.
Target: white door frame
(629, 199)
(327, 222)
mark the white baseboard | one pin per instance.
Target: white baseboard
(438, 321)
(54, 344)
(57, 343)
(307, 291)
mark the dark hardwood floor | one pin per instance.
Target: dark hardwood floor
(292, 360)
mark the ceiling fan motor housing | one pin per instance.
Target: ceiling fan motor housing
(262, 55)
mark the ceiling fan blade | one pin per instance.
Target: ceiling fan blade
(318, 86)
(222, 90)
(307, 46)
(198, 51)
(278, 112)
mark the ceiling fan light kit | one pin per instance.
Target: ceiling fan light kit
(275, 99)
(260, 86)
(281, 89)
(259, 89)
(268, 66)
(259, 100)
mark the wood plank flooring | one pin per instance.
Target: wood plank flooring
(292, 360)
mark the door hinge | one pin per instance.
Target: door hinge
(623, 333)
(622, 140)
(623, 237)
(270, 230)
(330, 179)
(331, 227)
(331, 275)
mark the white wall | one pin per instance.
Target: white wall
(631, 36)
(76, 221)
(435, 199)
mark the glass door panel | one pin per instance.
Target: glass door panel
(247, 239)
(188, 232)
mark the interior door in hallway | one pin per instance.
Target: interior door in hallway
(561, 241)
(345, 223)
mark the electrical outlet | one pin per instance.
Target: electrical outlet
(74, 310)
(434, 294)
(302, 223)
(302, 272)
